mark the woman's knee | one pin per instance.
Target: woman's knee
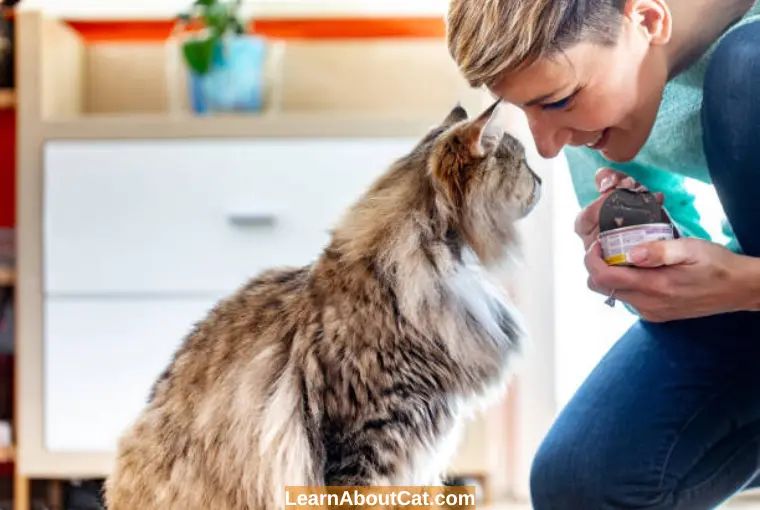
(549, 479)
(731, 101)
(561, 480)
(579, 468)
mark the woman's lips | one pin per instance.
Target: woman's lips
(600, 141)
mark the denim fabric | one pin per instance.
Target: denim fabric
(670, 418)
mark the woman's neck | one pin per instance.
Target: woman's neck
(697, 24)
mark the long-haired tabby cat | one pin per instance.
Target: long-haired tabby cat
(360, 368)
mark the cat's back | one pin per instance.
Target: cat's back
(254, 318)
(207, 400)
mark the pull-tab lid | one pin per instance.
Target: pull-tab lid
(626, 208)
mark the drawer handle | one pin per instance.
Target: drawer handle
(248, 219)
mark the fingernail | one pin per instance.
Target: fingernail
(637, 255)
(606, 183)
(628, 182)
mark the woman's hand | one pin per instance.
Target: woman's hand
(674, 279)
(679, 279)
(607, 180)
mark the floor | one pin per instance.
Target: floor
(740, 504)
(734, 506)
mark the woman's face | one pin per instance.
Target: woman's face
(605, 97)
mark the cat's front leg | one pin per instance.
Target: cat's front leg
(359, 465)
(359, 481)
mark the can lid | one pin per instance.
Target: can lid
(625, 208)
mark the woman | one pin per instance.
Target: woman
(646, 92)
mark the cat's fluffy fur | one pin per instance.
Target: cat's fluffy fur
(358, 369)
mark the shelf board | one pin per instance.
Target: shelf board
(7, 277)
(308, 124)
(7, 99)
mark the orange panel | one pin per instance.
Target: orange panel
(352, 28)
(99, 31)
(158, 30)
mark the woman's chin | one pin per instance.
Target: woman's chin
(616, 155)
(618, 152)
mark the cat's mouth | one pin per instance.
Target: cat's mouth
(535, 195)
(535, 176)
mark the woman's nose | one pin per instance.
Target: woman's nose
(549, 138)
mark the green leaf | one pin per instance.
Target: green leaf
(205, 3)
(216, 19)
(238, 27)
(199, 54)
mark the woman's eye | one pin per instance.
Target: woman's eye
(558, 105)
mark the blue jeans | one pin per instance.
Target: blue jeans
(670, 418)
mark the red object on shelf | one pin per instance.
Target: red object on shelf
(7, 168)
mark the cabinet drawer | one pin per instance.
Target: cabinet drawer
(195, 216)
(101, 357)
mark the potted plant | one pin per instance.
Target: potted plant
(225, 63)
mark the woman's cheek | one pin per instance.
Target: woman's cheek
(606, 114)
(592, 119)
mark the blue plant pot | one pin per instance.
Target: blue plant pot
(235, 82)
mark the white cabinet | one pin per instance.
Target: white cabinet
(140, 238)
(101, 357)
(195, 217)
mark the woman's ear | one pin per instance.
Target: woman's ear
(652, 18)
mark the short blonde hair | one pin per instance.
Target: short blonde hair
(490, 38)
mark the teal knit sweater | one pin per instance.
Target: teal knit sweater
(672, 154)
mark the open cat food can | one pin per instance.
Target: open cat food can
(618, 242)
(628, 218)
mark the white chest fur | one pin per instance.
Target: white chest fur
(477, 296)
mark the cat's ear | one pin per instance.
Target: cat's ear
(457, 114)
(486, 131)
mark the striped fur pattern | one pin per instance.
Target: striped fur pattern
(360, 368)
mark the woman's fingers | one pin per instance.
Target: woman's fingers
(608, 178)
(587, 222)
(631, 184)
(604, 278)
